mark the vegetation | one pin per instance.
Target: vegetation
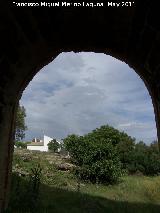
(58, 190)
(20, 144)
(53, 145)
(51, 182)
(140, 158)
(96, 160)
(20, 123)
(104, 154)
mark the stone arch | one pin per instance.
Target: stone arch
(32, 37)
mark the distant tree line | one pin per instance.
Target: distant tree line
(106, 153)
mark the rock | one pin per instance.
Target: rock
(65, 166)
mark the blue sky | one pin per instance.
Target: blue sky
(78, 92)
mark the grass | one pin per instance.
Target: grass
(59, 190)
(131, 188)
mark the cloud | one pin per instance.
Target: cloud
(78, 92)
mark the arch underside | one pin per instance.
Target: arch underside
(31, 38)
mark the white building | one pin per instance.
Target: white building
(41, 145)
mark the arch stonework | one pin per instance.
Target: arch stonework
(32, 37)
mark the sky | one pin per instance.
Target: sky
(78, 92)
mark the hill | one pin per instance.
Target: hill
(43, 182)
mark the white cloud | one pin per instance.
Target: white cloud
(79, 92)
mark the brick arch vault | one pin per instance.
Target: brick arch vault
(31, 37)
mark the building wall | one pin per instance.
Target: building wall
(38, 148)
(44, 148)
(46, 140)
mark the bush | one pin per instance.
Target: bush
(152, 163)
(53, 145)
(113, 135)
(20, 144)
(145, 159)
(97, 161)
(102, 154)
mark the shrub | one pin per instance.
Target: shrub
(53, 145)
(96, 155)
(97, 161)
(145, 159)
(20, 144)
(113, 135)
(152, 163)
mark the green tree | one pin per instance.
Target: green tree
(138, 158)
(96, 158)
(144, 159)
(20, 123)
(154, 146)
(120, 140)
(111, 134)
(76, 146)
(20, 144)
(125, 149)
(152, 163)
(53, 145)
(106, 151)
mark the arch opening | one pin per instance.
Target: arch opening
(72, 81)
(20, 87)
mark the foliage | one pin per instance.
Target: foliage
(25, 191)
(111, 134)
(20, 144)
(20, 123)
(96, 159)
(76, 145)
(53, 145)
(143, 158)
(34, 184)
(154, 147)
(63, 151)
(133, 194)
(125, 149)
(134, 157)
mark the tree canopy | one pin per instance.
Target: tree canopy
(53, 145)
(105, 153)
(95, 154)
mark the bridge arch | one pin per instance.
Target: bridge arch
(33, 37)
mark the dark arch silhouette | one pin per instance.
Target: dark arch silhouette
(31, 37)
